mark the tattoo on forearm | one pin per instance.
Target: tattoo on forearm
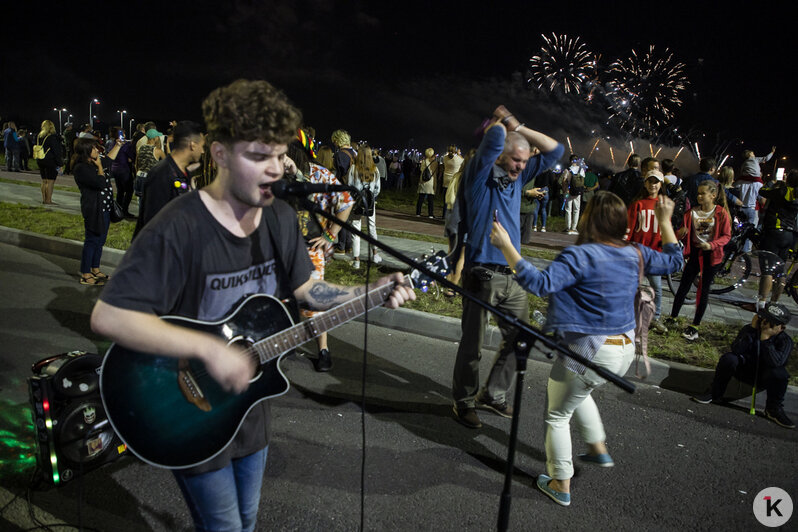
(324, 294)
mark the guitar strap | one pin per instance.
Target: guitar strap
(271, 224)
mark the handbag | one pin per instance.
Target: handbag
(644, 313)
(117, 215)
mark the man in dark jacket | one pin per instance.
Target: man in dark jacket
(170, 178)
(627, 183)
(758, 356)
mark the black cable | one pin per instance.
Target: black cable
(363, 390)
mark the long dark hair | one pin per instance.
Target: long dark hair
(82, 153)
(605, 220)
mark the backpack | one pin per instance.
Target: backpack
(577, 184)
(38, 150)
(680, 206)
(644, 313)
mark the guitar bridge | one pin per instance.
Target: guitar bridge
(190, 388)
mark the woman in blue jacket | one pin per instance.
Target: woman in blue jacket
(592, 288)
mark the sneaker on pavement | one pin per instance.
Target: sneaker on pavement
(658, 326)
(542, 229)
(323, 362)
(601, 460)
(376, 259)
(467, 416)
(500, 408)
(561, 498)
(703, 398)
(535, 229)
(691, 333)
(779, 417)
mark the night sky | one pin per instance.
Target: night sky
(393, 73)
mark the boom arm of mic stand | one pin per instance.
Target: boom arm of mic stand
(512, 320)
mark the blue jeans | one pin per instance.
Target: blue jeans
(93, 246)
(656, 283)
(13, 159)
(226, 499)
(540, 206)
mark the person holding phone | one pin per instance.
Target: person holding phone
(492, 182)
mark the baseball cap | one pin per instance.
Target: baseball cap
(654, 173)
(86, 135)
(775, 313)
(152, 133)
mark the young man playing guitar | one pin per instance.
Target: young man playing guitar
(199, 258)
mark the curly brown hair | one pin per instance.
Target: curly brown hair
(248, 110)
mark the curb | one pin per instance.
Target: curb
(671, 375)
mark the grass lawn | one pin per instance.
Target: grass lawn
(715, 338)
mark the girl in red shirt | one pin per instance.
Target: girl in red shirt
(644, 229)
(707, 227)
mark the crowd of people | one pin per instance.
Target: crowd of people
(628, 226)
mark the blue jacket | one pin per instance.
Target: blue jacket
(593, 286)
(487, 190)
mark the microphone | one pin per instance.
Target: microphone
(285, 189)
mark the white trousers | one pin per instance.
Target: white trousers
(372, 231)
(572, 206)
(568, 394)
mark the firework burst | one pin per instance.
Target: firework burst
(645, 90)
(563, 65)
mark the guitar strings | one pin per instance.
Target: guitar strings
(252, 352)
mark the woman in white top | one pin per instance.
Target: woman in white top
(364, 176)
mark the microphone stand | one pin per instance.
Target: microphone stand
(524, 341)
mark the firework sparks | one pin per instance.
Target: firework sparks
(646, 89)
(563, 65)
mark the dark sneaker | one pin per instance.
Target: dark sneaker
(468, 417)
(703, 398)
(323, 362)
(780, 418)
(502, 409)
(691, 333)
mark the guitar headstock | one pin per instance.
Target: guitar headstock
(437, 263)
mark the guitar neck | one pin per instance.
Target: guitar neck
(292, 337)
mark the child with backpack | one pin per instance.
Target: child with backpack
(707, 228)
(644, 230)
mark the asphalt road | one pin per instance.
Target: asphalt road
(679, 465)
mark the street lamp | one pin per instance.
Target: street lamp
(59, 118)
(130, 127)
(121, 118)
(91, 117)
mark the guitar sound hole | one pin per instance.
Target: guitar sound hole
(245, 344)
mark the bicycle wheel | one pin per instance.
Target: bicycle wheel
(732, 274)
(674, 279)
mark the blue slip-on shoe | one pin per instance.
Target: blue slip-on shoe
(563, 499)
(602, 460)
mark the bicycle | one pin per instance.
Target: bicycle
(733, 271)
